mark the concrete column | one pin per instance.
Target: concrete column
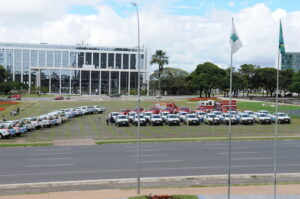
(92, 57)
(129, 82)
(60, 81)
(122, 61)
(84, 58)
(29, 81)
(13, 63)
(80, 82)
(99, 82)
(21, 65)
(70, 83)
(109, 82)
(107, 60)
(90, 83)
(76, 59)
(115, 60)
(119, 82)
(50, 81)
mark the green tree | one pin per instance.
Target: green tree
(286, 79)
(206, 77)
(266, 78)
(174, 80)
(3, 74)
(247, 72)
(160, 58)
(295, 86)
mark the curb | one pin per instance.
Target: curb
(133, 180)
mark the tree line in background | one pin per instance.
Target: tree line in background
(7, 86)
(208, 77)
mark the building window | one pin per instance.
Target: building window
(125, 61)
(132, 61)
(111, 60)
(80, 59)
(88, 58)
(118, 61)
(50, 58)
(103, 60)
(96, 60)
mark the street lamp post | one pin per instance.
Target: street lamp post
(139, 102)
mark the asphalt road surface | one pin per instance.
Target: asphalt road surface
(115, 161)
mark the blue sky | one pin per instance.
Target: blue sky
(186, 7)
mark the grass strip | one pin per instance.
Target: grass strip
(26, 145)
(172, 197)
(193, 140)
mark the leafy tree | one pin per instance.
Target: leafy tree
(286, 79)
(247, 72)
(160, 58)
(3, 74)
(206, 77)
(266, 78)
(174, 80)
(295, 86)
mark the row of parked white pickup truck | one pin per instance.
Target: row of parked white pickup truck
(212, 118)
(14, 128)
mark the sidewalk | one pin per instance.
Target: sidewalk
(289, 191)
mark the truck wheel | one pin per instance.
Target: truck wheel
(1, 136)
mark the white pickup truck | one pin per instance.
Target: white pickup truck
(172, 119)
(156, 120)
(191, 119)
(122, 120)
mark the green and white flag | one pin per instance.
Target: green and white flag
(235, 41)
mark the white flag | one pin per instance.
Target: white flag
(235, 41)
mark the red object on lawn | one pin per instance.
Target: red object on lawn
(59, 97)
(17, 97)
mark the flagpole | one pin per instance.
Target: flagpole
(276, 127)
(276, 112)
(229, 128)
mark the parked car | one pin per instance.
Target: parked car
(124, 111)
(113, 116)
(227, 119)
(246, 119)
(8, 128)
(142, 120)
(191, 119)
(147, 116)
(172, 119)
(181, 115)
(185, 109)
(4, 133)
(201, 115)
(282, 118)
(122, 120)
(211, 119)
(263, 118)
(59, 97)
(153, 110)
(131, 116)
(164, 116)
(156, 120)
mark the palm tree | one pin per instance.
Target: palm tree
(160, 59)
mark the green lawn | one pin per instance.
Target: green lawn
(89, 126)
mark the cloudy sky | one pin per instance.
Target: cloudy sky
(191, 31)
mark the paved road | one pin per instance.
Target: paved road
(47, 164)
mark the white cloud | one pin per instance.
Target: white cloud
(231, 3)
(188, 40)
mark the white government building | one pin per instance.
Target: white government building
(75, 69)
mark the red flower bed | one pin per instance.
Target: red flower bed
(2, 109)
(9, 102)
(202, 98)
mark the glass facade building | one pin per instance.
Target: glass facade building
(75, 69)
(291, 60)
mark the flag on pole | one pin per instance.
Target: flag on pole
(281, 41)
(235, 41)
